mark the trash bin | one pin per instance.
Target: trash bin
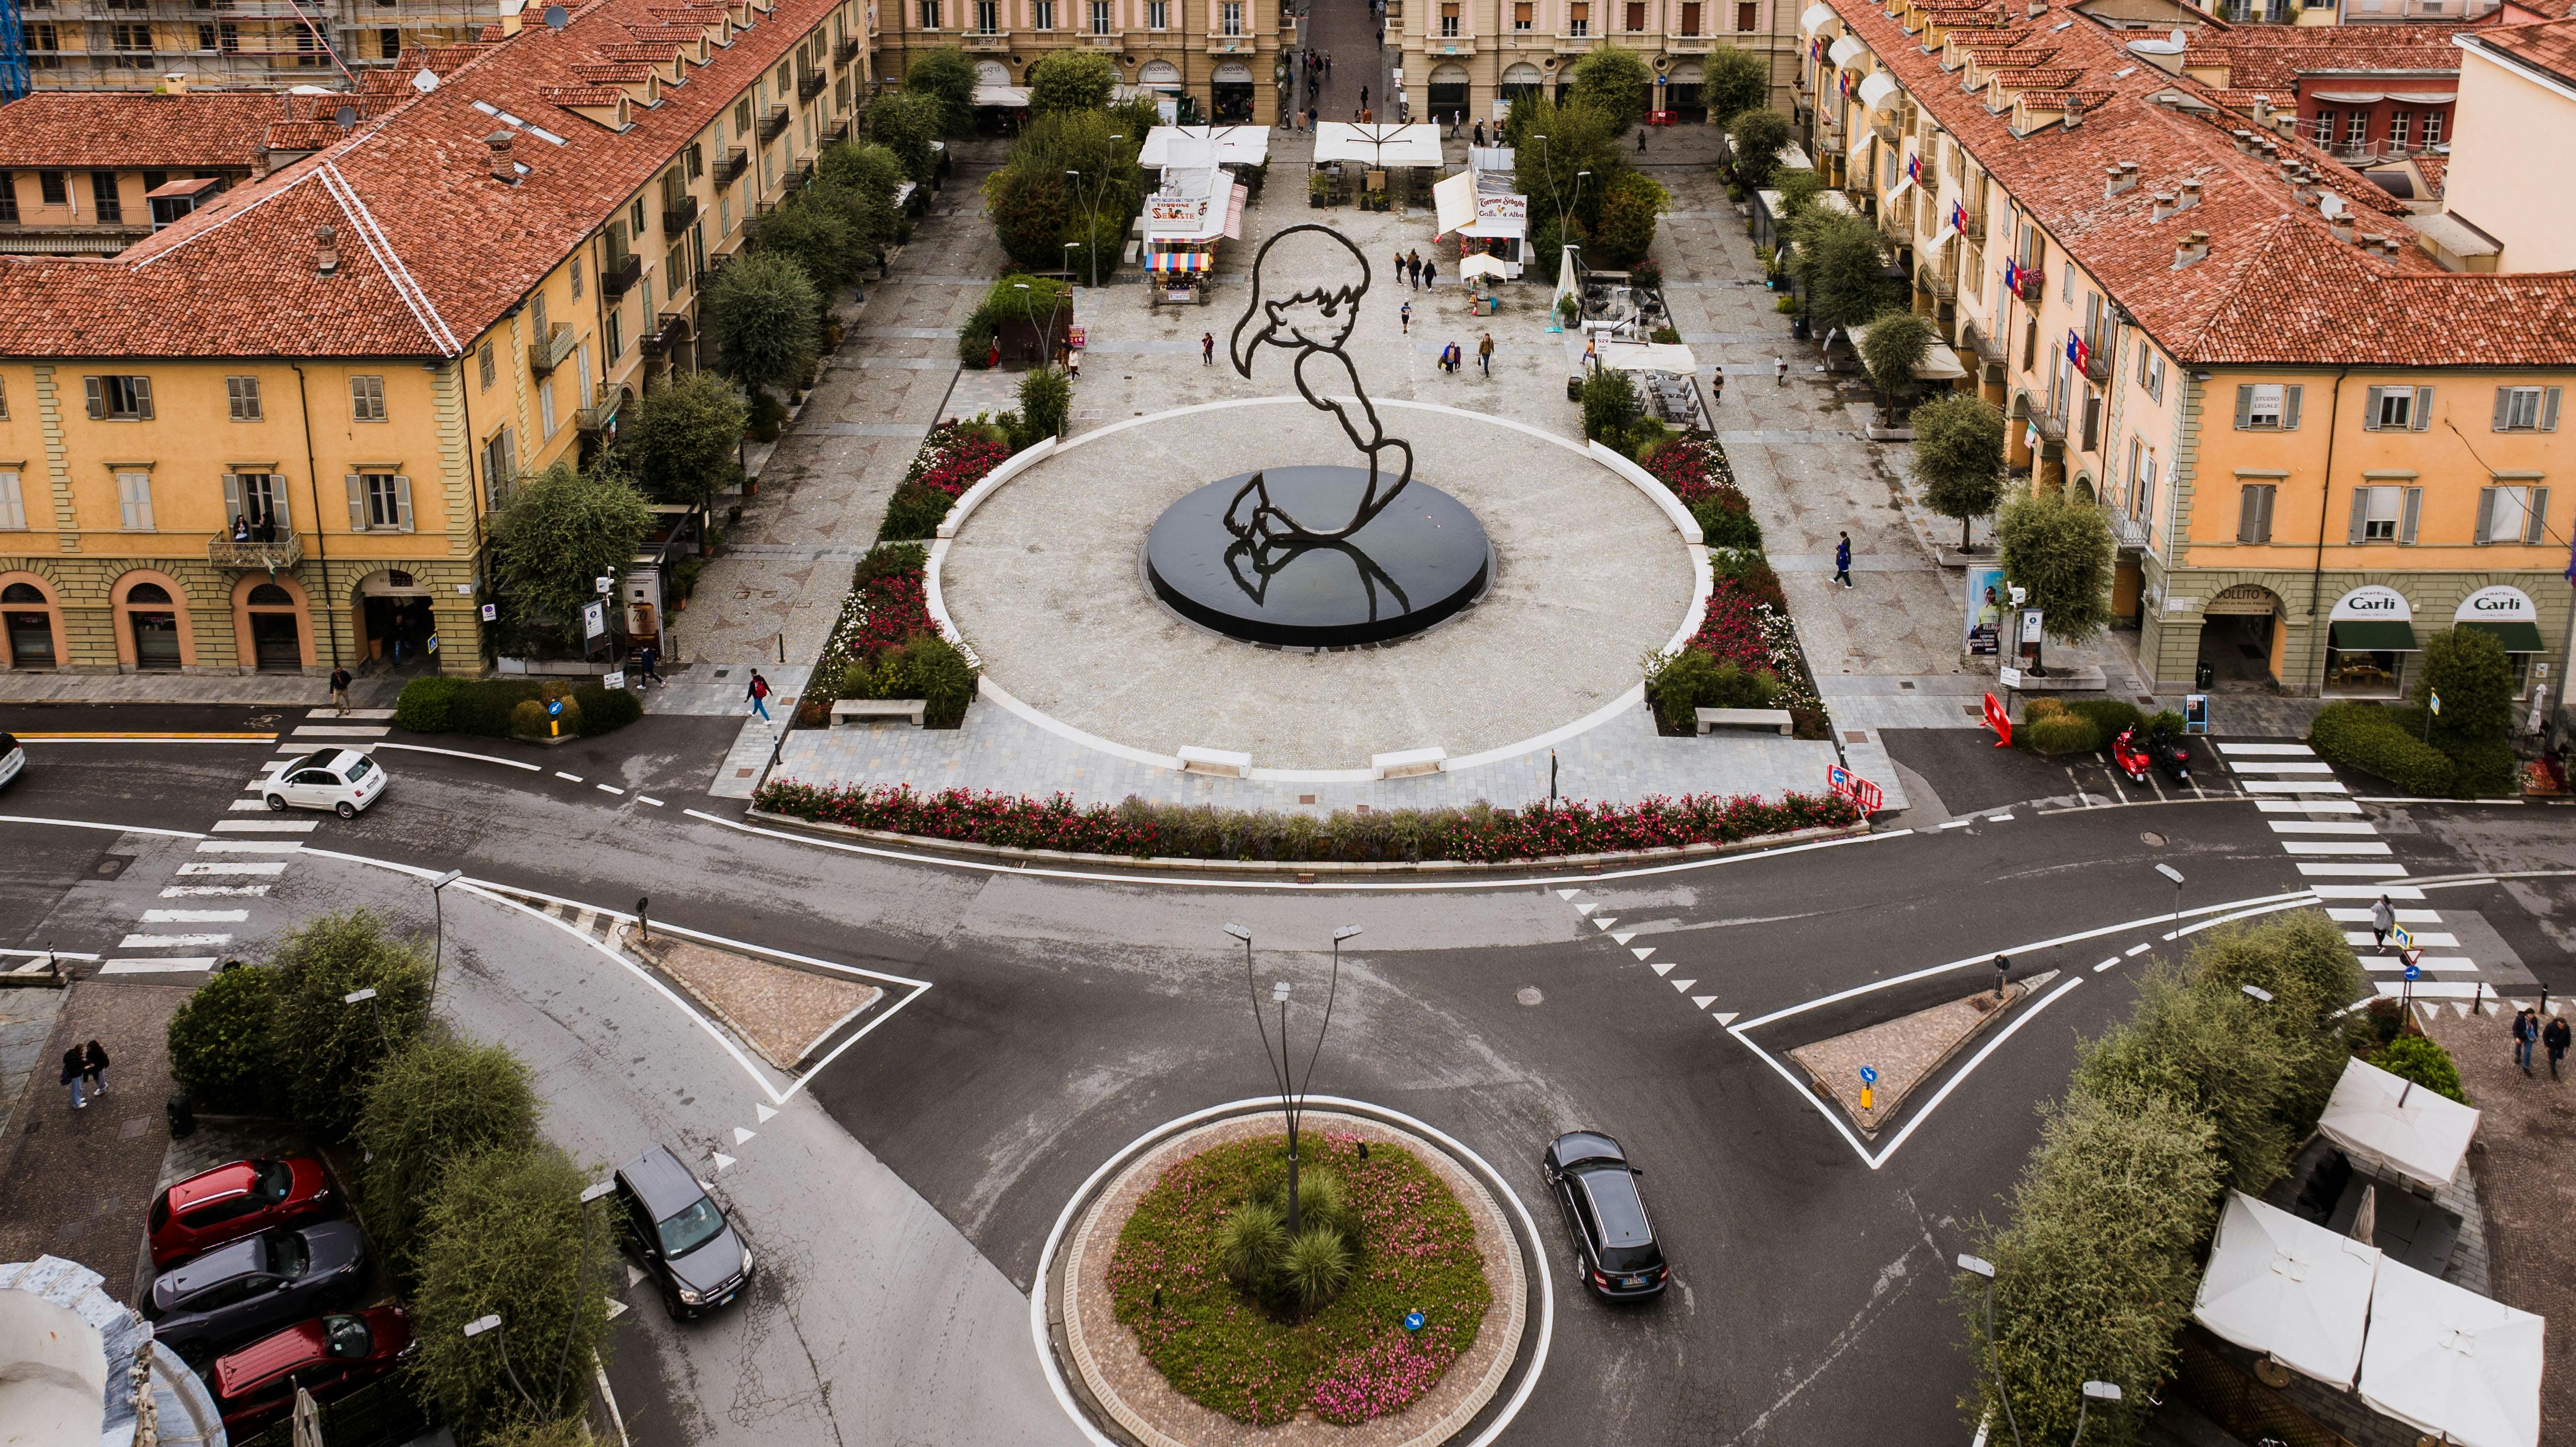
(183, 1121)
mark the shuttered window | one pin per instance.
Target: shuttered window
(379, 502)
(2260, 406)
(2526, 409)
(367, 399)
(241, 398)
(2254, 512)
(119, 399)
(2398, 409)
(2512, 514)
(13, 504)
(134, 501)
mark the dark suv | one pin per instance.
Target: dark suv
(249, 1289)
(668, 1219)
(1596, 1188)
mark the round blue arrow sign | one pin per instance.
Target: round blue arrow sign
(554, 708)
(1413, 1321)
(2414, 973)
(1869, 1075)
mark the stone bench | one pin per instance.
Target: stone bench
(1407, 763)
(1713, 719)
(870, 710)
(1225, 763)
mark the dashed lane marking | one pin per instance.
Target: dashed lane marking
(168, 965)
(573, 778)
(263, 826)
(202, 868)
(648, 799)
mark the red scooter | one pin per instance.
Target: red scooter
(2131, 759)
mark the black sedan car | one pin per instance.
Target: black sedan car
(670, 1221)
(1614, 1241)
(254, 1287)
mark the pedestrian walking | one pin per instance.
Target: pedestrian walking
(1485, 355)
(1842, 561)
(94, 1068)
(1780, 371)
(1363, 98)
(2555, 1039)
(1404, 314)
(1414, 260)
(1398, 263)
(1641, 140)
(1207, 349)
(1480, 133)
(758, 691)
(340, 689)
(648, 661)
(1430, 274)
(72, 1076)
(2526, 1033)
(2382, 920)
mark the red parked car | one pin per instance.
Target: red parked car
(329, 1356)
(231, 1202)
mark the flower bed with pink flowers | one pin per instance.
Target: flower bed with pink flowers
(954, 457)
(1350, 1360)
(888, 602)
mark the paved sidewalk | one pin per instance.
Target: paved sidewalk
(18, 686)
(76, 1184)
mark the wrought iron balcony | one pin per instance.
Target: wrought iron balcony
(809, 85)
(845, 52)
(677, 216)
(621, 274)
(735, 161)
(774, 124)
(547, 354)
(269, 557)
(602, 413)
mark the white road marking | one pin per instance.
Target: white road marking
(2430, 989)
(1641, 951)
(204, 868)
(185, 891)
(2404, 916)
(2106, 964)
(244, 846)
(649, 799)
(1726, 1017)
(1999, 818)
(608, 788)
(1623, 936)
(2136, 950)
(560, 774)
(2349, 871)
(2446, 964)
(1702, 1002)
(740, 1135)
(2307, 806)
(1681, 987)
(723, 1162)
(2323, 826)
(2365, 891)
(2424, 939)
(461, 754)
(1586, 908)
(2275, 751)
(1660, 967)
(171, 942)
(368, 713)
(195, 916)
(2356, 848)
(2244, 767)
(343, 731)
(764, 1113)
(2293, 786)
(172, 966)
(247, 806)
(263, 826)
(1567, 893)
(1602, 922)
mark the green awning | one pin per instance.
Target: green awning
(2516, 637)
(2372, 635)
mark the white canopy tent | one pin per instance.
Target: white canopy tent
(2462, 1368)
(1473, 267)
(1939, 364)
(1379, 145)
(1453, 202)
(1001, 95)
(1231, 145)
(2289, 1289)
(2397, 1126)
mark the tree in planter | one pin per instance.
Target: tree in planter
(681, 441)
(1959, 457)
(1737, 81)
(1798, 190)
(945, 75)
(1755, 140)
(1841, 262)
(764, 315)
(1626, 228)
(506, 1234)
(1031, 210)
(1071, 80)
(558, 532)
(438, 1100)
(1898, 342)
(1046, 400)
(905, 124)
(328, 1049)
(2060, 550)
(810, 230)
(1610, 405)
(1615, 82)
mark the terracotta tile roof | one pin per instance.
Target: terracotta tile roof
(114, 129)
(2549, 45)
(2432, 168)
(2276, 287)
(432, 249)
(2275, 57)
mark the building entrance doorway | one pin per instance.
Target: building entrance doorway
(2240, 640)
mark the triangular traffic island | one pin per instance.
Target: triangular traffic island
(783, 1012)
(1903, 1052)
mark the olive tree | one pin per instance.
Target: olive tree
(2060, 549)
(1959, 457)
(1614, 82)
(1898, 342)
(763, 312)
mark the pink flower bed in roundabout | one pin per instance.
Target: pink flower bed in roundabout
(1170, 1342)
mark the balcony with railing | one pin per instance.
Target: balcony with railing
(774, 124)
(601, 414)
(274, 556)
(809, 85)
(678, 213)
(981, 40)
(2133, 534)
(668, 332)
(623, 270)
(732, 164)
(845, 52)
(546, 355)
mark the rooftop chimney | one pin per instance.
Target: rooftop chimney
(175, 83)
(2194, 249)
(2190, 195)
(2342, 227)
(2244, 139)
(2120, 177)
(326, 251)
(510, 16)
(502, 170)
(2164, 206)
(2074, 112)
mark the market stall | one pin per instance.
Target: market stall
(1199, 204)
(1348, 153)
(1479, 206)
(1205, 145)
(2288, 1289)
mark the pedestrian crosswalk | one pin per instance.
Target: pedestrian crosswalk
(2348, 866)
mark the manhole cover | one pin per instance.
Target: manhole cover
(109, 866)
(2152, 838)
(1530, 996)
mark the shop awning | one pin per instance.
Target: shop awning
(1234, 211)
(1932, 248)
(1846, 50)
(1179, 261)
(1453, 202)
(1816, 17)
(1878, 91)
(2516, 637)
(2372, 635)
(1497, 228)
(1001, 95)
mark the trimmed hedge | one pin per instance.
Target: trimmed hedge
(2052, 725)
(2375, 740)
(2421, 1059)
(485, 706)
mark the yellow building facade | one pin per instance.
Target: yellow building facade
(1224, 55)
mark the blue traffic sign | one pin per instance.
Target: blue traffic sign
(1869, 1075)
(1413, 1321)
(2414, 972)
(554, 708)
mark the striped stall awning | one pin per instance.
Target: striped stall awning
(1180, 261)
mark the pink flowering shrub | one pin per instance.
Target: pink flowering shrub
(1352, 1359)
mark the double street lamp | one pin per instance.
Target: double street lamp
(438, 950)
(1282, 1062)
(1091, 235)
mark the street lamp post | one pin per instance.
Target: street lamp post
(1292, 1090)
(367, 997)
(1980, 1266)
(1091, 236)
(2093, 1392)
(438, 949)
(492, 1323)
(2169, 872)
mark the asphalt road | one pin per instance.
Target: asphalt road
(1067, 1016)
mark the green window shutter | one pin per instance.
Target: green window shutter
(2421, 417)
(2290, 408)
(2486, 514)
(2360, 514)
(2414, 512)
(2244, 404)
(357, 503)
(2535, 524)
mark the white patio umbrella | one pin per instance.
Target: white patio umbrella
(1472, 267)
(2462, 1368)
(2394, 1124)
(2288, 1288)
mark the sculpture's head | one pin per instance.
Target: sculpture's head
(1305, 294)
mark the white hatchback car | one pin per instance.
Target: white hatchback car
(342, 780)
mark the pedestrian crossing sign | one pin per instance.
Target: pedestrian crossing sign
(2400, 938)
